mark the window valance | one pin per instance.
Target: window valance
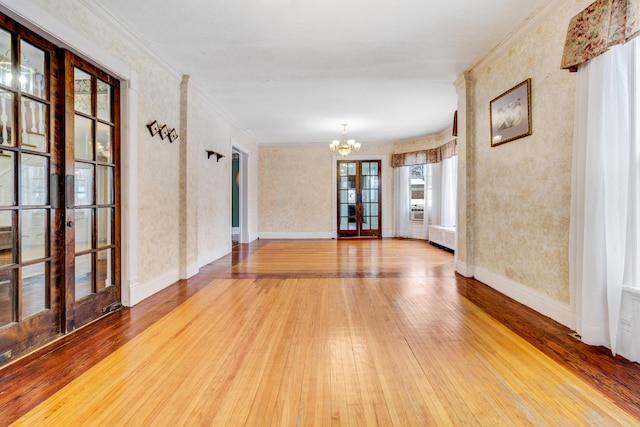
(605, 23)
(424, 157)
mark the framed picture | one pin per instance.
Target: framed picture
(164, 131)
(173, 135)
(154, 128)
(510, 114)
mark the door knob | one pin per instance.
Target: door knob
(70, 224)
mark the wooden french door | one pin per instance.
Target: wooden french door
(58, 171)
(92, 220)
(359, 213)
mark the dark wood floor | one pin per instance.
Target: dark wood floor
(28, 381)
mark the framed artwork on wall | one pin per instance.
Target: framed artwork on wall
(510, 114)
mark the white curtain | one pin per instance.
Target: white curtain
(449, 192)
(435, 211)
(402, 201)
(604, 202)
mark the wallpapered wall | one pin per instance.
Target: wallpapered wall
(162, 182)
(522, 191)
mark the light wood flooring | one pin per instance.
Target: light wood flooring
(305, 333)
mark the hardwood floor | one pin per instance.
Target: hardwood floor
(353, 332)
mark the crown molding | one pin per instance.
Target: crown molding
(106, 16)
(529, 25)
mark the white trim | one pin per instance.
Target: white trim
(129, 186)
(294, 235)
(140, 292)
(533, 299)
(463, 269)
(214, 255)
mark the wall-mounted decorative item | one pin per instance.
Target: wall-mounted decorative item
(154, 128)
(164, 131)
(214, 153)
(510, 114)
(173, 135)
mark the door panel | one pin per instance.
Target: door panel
(359, 198)
(92, 215)
(30, 291)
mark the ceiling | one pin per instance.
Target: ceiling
(292, 71)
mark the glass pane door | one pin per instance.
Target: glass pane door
(91, 186)
(30, 291)
(359, 198)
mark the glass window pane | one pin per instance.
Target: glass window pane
(343, 182)
(343, 169)
(33, 134)
(32, 70)
(374, 168)
(104, 101)
(105, 224)
(365, 224)
(374, 195)
(7, 248)
(352, 168)
(7, 295)
(7, 180)
(352, 196)
(104, 145)
(33, 234)
(82, 91)
(84, 229)
(365, 196)
(366, 208)
(84, 184)
(34, 290)
(105, 185)
(374, 209)
(344, 223)
(84, 275)
(374, 223)
(7, 135)
(6, 58)
(344, 196)
(344, 210)
(83, 138)
(374, 181)
(35, 180)
(365, 168)
(105, 269)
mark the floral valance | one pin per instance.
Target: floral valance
(424, 157)
(593, 31)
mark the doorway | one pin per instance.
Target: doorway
(59, 191)
(235, 198)
(358, 206)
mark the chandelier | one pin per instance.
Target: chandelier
(344, 147)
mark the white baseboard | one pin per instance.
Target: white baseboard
(214, 255)
(561, 313)
(294, 235)
(140, 291)
(464, 269)
(190, 270)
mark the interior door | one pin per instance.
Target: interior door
(359, 213)
(30, 261)
(92, 218)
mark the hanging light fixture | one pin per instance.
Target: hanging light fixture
(344, 147)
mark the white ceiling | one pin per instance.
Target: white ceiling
(294, 70)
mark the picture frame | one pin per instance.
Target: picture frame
(173, 135)
(510, 114)
(154, 128)
(164, 131)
